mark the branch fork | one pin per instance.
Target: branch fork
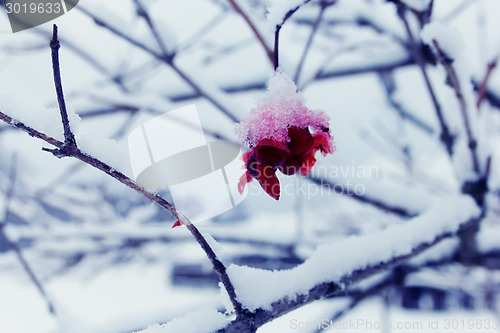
(69, 148)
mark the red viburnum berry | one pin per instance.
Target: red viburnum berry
(283, 135)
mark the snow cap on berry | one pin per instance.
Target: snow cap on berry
(279, 108)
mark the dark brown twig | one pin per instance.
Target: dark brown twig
(446, 137)
(472, 143)
(254, 29)
(69, 138)
(481, 93)
(277, 33)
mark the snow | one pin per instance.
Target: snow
(104, 13)
(214, 43)
(201, 321)
(256, 288)
(418, 5)
(110, 151)
(279, 108)
(48, 121)
(45, 120)
(487, 238)
(452, 44)
(494, 178)
(278, 9)
(449, 40)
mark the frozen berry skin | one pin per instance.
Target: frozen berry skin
(271, 153)
(269, 183)
(252, 165)
(301, 140)
(291, 165)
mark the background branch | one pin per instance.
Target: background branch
(12, 245)
(472, 143)
(254, 29)
(446, 137)
(331, 289)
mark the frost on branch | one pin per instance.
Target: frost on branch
(258, 288)
(283, 134)
(201, 321)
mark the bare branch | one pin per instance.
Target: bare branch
(403, 113)
(13, 246)
(307, 47)
(472, 143)
(253, 320)
(277, 33)
(141, 11)
(358, 297)
(167, 59)
(481, 94)
(254, 29)
(322, 74)
(399, 211)
(69, 138)
(446, 137)
(489, 95)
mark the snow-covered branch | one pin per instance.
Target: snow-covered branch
(333, 267)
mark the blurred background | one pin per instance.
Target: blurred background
(106, 259)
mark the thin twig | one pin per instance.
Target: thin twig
(27, 268)
(69, 138)
(322, 73)
(472, 143)
(144, 13)
(167, 59)
(446, 137)
(260, 83)
(482, 87)
(9, 194)
(254, 29)
(276, 57)
(491, 96)
(200, 91)
(386, 78)
(277, 33)
(357, 298)
(307, 47)
(396, 210)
